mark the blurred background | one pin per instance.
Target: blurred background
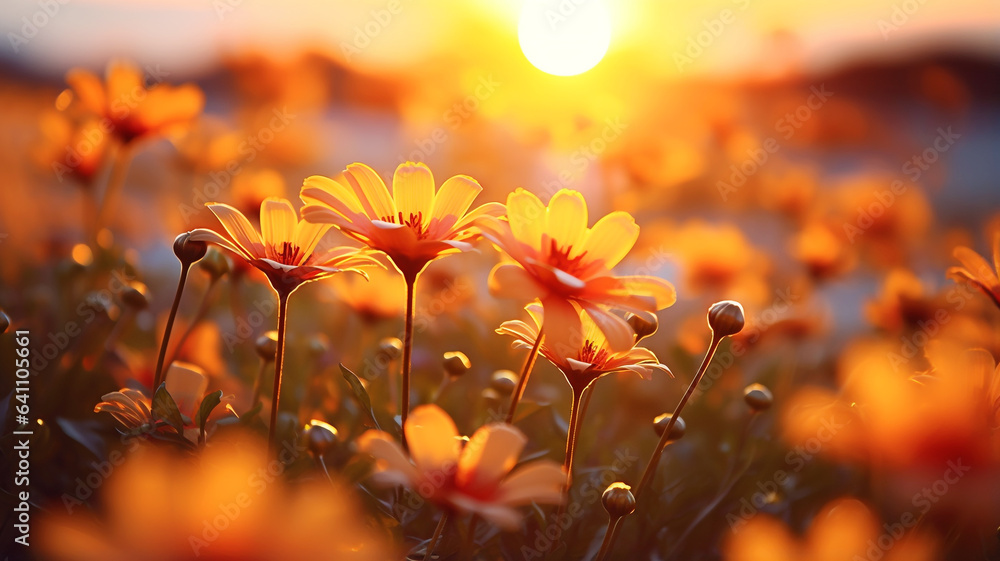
(818, 162)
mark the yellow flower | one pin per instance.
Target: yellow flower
(413, 226)
(285, 249)
(587, 362)
(128, 107)
(977, 272)
(565, 264)
(474, 478)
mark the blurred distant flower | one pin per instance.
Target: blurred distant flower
(130, 109)
(823, 252)
(74, 149)
(285, 249)
(903, 302)
(382, 297)
(221, 505)
(129, 407)
(977, 272)
(844, 530)
(413, 226)
(472, 478)
(565, 264)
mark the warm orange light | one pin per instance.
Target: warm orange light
(564, 38)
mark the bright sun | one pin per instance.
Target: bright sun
(565, 37)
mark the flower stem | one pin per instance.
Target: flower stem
(258, 382)
(654, 460)
(158, 373)
(279, 359)
(411, 297)
(198, 317)
(575, 416)
(529, 365)
(609, 538)
(119, 170)
(436, 537)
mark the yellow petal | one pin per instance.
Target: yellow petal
(488, 456)
(616, 330)
(209, 236)
(610, 240)
(277, 221)
(328, 192)
(454, 198)
(566, 220)
(308, 236)
(526, 214)
(433, 439)
(370, 190)
(413, 188)
(239, 228)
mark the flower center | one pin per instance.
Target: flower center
(287, 254)
(415, 222)
(560, 259)
(593, 354)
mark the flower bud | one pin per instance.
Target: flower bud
(618, 500)
(758, 397)
(135, 296)
(726, 318)
(644, 325)
(4, 322)
(676, 432)
(456, 364)
(503, 382)
(267, 346)
(188, 250)
(215, 264)
(321, 437)
(390, 348)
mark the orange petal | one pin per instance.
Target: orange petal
(533, 482)
(508, 280)
(89, 89)
(413, 189)
(619, 334)
(239, 228)
(125, 88)
(370, 191)
(562, 327)
(328, 192)
(488, 456)
(977, 266)
(277, 222)
(433, 439)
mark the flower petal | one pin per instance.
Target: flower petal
(526, 213)
(619, 334)
(508, 280)
(976, 265)
(562, 327)
(566, 220)
(610, 240)
(239, 228)
(371, 191)
(490, 454)
(277, 222)
(433, 439)
(308, 235)
(533, 482)
(389, 454)
(210, 236)
(89, 89)
(501, 516)
(332, 194)
(186, 383)
(413, 189)
(454, 198)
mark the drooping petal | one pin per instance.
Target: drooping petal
(328, 192)
(610, 240)
(562, 328)
(519, 330)
(639, 291)
(209, 236)
(619, 334)
(977, 265)
(566, 220)
(535, 482)
(413, 190)
(433, 439)
(370, 190)
(277, 222)
(526, 215)
(389, 454)
(239, 228)
(490, 454)
(508, 280)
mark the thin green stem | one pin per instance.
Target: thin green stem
(609, 538)
(411, 297)
(529, 365)
(429, 552)
(158, 373)
(279, 359)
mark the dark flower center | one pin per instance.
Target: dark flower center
(415, 222)
(593, 354)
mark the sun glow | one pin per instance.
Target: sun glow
(564, 38)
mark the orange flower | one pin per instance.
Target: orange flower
(587, 362)
(285, 250)
(413, 225)
(472, 478)
(74, 149)
(131, 110)
(566, 265)
(977, 272)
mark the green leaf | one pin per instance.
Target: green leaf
(208, 404)
(165, 409)
(360, 393)
(247, 418)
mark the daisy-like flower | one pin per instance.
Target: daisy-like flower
(285, 251)
(977, 271)
(413, 225)
(130, 109)
(581, 364)
(567, 265)
(474, 477)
